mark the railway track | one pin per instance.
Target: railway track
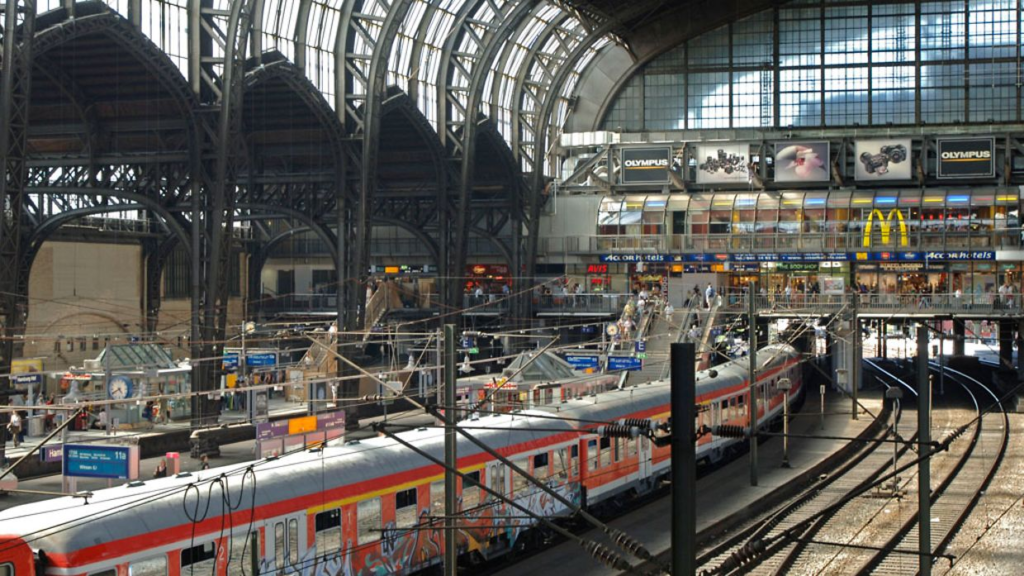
(859, 473)
(812, 533)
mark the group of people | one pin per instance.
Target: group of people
(705, 297)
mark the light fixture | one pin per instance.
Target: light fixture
(412, 363)
(465, 368)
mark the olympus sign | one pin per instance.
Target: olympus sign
(966, 157)
(645, 165)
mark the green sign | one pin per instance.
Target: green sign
(641, 355)
(474, 350)
(797, 267)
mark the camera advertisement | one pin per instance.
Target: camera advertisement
(967, 157)
(883, 160)
(645, 165)
(802, 162)
(723, 163)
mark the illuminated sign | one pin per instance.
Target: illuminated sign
(101, 461)
(645, 165)
(966, 157)
(886, 227)
(597, 269)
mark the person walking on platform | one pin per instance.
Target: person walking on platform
(14, 427)
(709, 295)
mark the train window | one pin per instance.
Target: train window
(6, 569)
(498, 478)
(149, 567)
(519, 482)
(725, 409)
(591, 455)
(631, 446)
(540, 466)
(368, 520)
(293, 541)
(606, 452)
(278, 545)
(201, 558)
(405, 508)
(100, 573)
(437, 498)
(618, 449)
(241, 561)
(470, 490)
(561, 465)
(328, 531)
(574, 458)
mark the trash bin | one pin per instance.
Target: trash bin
(36, 426)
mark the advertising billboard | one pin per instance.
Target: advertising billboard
(883, 160)
(645, 165)
(966, 157)
(802, 162)
(723, 163)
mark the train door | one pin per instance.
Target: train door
(286, 545)
(644, 459)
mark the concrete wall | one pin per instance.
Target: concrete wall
(598, 81)
(573, 216)
(82, 290)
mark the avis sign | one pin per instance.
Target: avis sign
(645, 165)
(966, 157)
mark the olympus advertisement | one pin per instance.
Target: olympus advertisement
(645, 165)
(966, 157)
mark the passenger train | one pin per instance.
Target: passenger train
(374, 506)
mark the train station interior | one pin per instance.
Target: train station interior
(415, 280)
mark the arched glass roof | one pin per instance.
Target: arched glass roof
(432, 57)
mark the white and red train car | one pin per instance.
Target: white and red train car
(373, 507)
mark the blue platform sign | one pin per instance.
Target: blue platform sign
(261, 359)
(95, 461)
(641, 346)
(582, 362)
(32, 378)
(624, 363)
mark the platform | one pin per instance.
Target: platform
(726, 492)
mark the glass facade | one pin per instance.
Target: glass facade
(835, 63)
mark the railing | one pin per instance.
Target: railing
(557, 304)
(300, 303)
(881, 303)
(853, 240)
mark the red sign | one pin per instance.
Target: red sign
(597, 269)
(487, 270)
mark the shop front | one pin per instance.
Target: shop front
(489, 278)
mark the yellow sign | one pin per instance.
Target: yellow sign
(302, 425)
(232, 380)
(26, 366)
(886, 227)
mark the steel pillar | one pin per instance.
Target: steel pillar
(15, 92)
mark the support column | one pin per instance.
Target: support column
(684, 459)
(924, 490)
(1006, 328)
(959, 337)
(15, 92)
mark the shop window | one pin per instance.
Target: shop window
(328, 531)
(368, 521)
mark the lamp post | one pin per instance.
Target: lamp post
(250, 394)
(785, 385)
